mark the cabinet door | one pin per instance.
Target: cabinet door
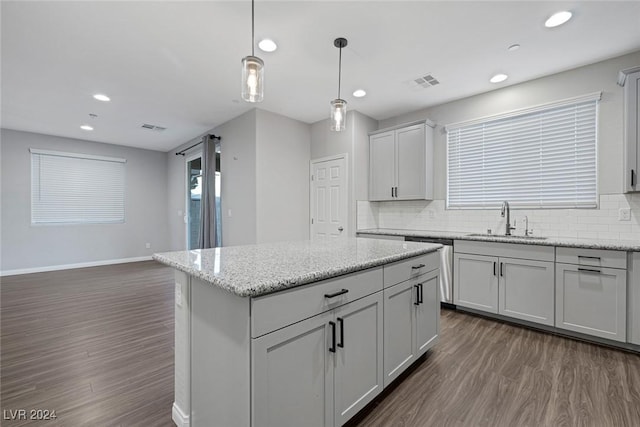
(526, 290)
(632, 131)
(427, 320)
(382, 166)
(410, 165)
(592, 300)
(358, 357)
(293, 375)
(475, 282)
(399, 328)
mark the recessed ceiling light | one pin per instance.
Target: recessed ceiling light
(86, 127)
(267, 45)
(359, 93)
(558, 18)
(498, 78)
(101, 97)
(513, 47)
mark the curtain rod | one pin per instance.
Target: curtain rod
(182, 152)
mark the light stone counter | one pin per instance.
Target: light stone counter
(250, 271)
(618, 245)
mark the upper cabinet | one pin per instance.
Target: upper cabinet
(630, 79)
(401, 163)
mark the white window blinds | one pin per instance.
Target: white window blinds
(69, 188)
(544, 157)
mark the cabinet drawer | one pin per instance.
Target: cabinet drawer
(281, 309)
(499, 249)
(592, 257)
(404, 270)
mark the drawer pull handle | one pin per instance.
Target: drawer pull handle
(418, 267)
(332, 349)
(417, 301)
(336, 294)
(589, 257)
(341, 322)
(589, 270)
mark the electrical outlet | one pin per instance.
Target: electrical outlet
(147, 245)
(624, 214)
(178, 295)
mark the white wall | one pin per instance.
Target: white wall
(238, 179)
(282, 172)
(588, 223)
(25, 246)
(354, 141)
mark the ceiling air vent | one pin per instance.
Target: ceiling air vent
(153, 127)
(425, 81)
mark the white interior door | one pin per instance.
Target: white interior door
(329, 205)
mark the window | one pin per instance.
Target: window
(542, 157)
(71, 188)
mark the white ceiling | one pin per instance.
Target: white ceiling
(177, 64)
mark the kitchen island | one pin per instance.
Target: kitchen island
(298, 332)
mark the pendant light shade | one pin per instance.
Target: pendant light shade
(252, 70)
(338, 114)
(339, 105)
(252, 79)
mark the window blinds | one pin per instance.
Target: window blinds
(544, 157)
(69, 188)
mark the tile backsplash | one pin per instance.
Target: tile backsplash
(601, 223)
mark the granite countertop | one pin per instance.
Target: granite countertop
(251, 271)
(619, 245)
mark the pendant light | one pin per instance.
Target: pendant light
(338, 105)
(252, 70)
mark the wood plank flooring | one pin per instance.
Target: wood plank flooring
(96, 345)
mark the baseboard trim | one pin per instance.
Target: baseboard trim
(70, 266)
(179, 417)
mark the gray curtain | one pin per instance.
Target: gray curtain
(208, 212)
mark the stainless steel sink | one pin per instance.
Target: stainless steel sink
(502, 236)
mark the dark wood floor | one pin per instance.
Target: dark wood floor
(96, 345)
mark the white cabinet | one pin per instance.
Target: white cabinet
(631, 83)
(500, 283)
(293, 375)
(591, 296)
(411, 322)
(475, 281)
(401, 163)
(633, 302)
(322, 370)
(358, 357)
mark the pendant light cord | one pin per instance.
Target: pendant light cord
(339, 70)
(253, 37)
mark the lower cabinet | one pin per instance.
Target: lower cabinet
(493, 282)
(321, 371)
(592, 300)
(411, 322)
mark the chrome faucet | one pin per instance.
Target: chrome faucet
(505, 208)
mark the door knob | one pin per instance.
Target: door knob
(340, 228)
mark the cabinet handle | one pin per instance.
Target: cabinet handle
(391, 191)
(396, 192)
(494, 268)
(332, 349)
(420, 301)
(335, 294)
(589, 257)
(501, 269)
(633, 176)
(417, 301)
(341, 322)
(589, 270)
(417, 267)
